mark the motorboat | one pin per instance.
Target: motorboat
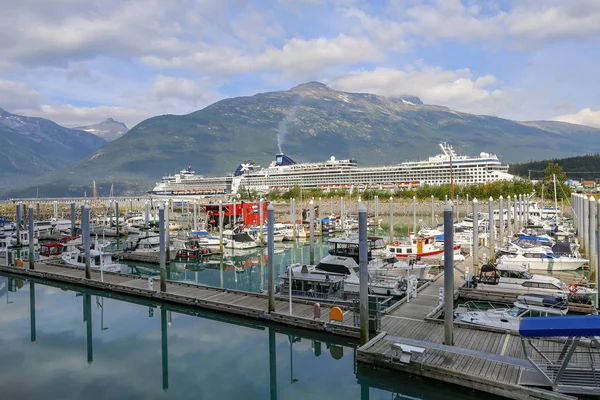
(526, 306)
(546, 261)
(51, 250)
(342, 261)
(513, 278)
(238, 240)
(23, 238)
(287, 230)
(98, 260)
(278, 236)
(207, 240)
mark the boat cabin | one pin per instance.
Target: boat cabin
(310, 285)
(51, 249)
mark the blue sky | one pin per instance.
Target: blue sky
(79, 62)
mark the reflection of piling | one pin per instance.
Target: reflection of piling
(32, 310)
(270, 255)
(165, 349)
(363, 250)
(448, 274)
(162, 249)
(272, 365)
(31, 240)
(87, 316)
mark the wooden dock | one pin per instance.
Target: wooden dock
(237, 302)
(489, 360)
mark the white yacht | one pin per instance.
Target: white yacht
(342, 261)
(98, 260)
(543, 260)
(207, 240)
(526, 306)
(23, 237)
(238, 240)
(517, 279)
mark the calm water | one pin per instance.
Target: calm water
(65, 344)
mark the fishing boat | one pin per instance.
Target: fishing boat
(526, 306)
(512, 278)
(423, 248)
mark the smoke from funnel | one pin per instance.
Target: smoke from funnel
(282, 130)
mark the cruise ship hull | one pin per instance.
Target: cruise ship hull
(284, 174)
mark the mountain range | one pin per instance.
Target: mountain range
(108, 130)
(312, 122)
(31, 147)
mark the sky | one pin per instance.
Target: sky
(82, 61)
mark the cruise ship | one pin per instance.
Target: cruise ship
(283, 173)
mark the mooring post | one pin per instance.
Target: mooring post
(331, 205)
(432, 211)
(312, 231)
(501, 220)
(467, 205)
(168, 212)
(597, 280)
(72, 219)
(586, 225)
(475, 253)
(271, 255)
(508, 218)
(448, 274)
(162, 248)
(117, 215)
(342, 212)
(110, 213)
(593, 242)
(376, 199)
(146, 213)
(86, 211)
(18, 224)
(391, 218)
(415, 214)
(491, 233)
(31, 239)
(38, 211)
(262, 219)
(363, 249)
(221, 226)
(294, 218)
(234, 213)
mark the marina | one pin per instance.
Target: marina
(493, 358)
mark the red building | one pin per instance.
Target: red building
(246, 212)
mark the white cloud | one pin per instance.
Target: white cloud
(457, 89)
(296, 58)
(17, 95)
(587, 116)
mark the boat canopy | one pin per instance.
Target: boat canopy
(567, 326)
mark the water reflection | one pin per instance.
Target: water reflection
(196, 353)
